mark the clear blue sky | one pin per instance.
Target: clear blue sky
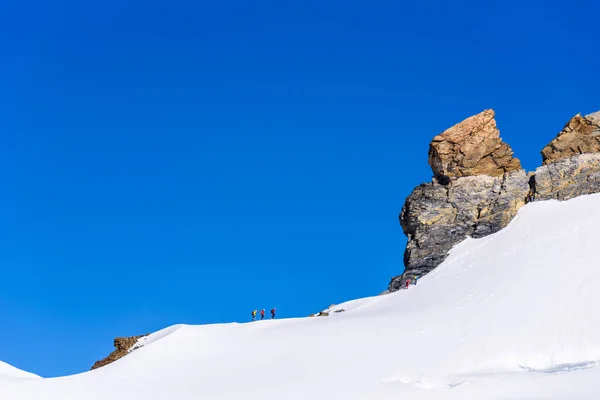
(186, 162)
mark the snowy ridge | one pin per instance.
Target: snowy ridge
(147, 340)
(8, 371)
(514, 315)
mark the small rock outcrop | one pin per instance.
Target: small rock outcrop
(477, 189)
(327, 312)
(581, 135)
(470, 148)
(123, 346)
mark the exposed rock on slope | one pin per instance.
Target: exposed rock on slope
(478, 185)
(470, 148)
(568, 178)
(571, 161)
(477, 189)
(123, 345)
(328, 311)
(580, 135)
(324, 313)
(435, 217)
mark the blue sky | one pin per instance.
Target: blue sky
(186, 162)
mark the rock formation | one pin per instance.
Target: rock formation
(478, 185)
(594, 118)
(123, 346)
(581, 135)
(477, 189)
(568, 178)
(571, 161)
(435, 217)
(470, 148)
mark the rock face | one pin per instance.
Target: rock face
(594, 118)
(470, 148)
(123, 345)
(568, 178)
(580, 135)
(478, 186)
(436, 217)
(477, 189)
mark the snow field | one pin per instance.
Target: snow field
(515, 315)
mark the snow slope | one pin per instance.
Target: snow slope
(8, 371)
(515, 315)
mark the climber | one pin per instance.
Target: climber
(253, 315)
(273, 313)
(407, 282)
(262, 314)
(415, 279)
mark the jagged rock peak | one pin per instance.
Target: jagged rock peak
(471, 147)
(123, 345)
(580, 135)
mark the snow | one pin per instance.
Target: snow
(515, 315)
(147, 340)
(8, 371)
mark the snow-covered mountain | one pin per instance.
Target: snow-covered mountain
(513, 315)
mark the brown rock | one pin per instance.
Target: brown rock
(580, 135)
(471, 147)
(123, 345)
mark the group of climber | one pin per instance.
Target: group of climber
(262, 314)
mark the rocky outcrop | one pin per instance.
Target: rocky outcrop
(568, 178)
(571, 161)
(581, 135)
(477, 189)
(436, 217)
(594, 118)
(478, 186)
(471, 148)
(123, 346)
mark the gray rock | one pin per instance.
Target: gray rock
(436, 217)
(568, 178)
